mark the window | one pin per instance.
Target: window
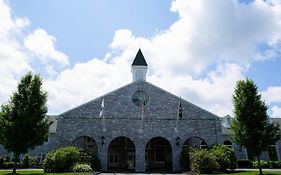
(228, 144)
(272, 153)
(114, 159)
(129, 144)
(203, 145)
(160, 153)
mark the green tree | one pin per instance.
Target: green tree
(23, 123)
(251, 125)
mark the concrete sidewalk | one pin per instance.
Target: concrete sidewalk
(255, 169)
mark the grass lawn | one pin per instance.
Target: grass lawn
(252, 173)
(38, 172)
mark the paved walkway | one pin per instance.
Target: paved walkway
(258, 169)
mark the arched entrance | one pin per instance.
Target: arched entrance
(121, 154)
(86, 143)
(228, 143)
(158, 155)
(195, 142)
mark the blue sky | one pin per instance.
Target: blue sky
(195, 49)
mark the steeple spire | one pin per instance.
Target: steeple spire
(139, 67)
(139, 59)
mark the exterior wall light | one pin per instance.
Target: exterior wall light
(102, 140)
(178, 141)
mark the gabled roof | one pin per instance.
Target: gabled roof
(139, 60)
(118, 104)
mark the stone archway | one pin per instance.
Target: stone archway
(195, 142)
(158, 155)
(86, 143)
(228, 143)
(121, 154)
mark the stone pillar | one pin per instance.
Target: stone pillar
(176, 149)
(140, 158)
(102, 152)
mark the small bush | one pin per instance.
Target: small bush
(274, 164)
(87, 157)
(244, 163)
(202, 161)
(185, 158)
(27, 161)
(264, 164)
(82, 168)
(8, 165)
(225, 157)
(62, 159)
(2, 160)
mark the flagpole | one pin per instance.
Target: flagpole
(142, 114)
(102, 112)
(178, 115)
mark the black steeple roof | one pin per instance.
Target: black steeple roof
(139, 60)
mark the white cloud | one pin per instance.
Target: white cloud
(276, 112)
(214, 92)
(272, 95)
(199, 57)
(14, 58)
(14, 62)
(84, 82)
(42, 44)
(222, 34)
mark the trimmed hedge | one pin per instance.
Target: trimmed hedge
(2, 160)
(264, 164)
(244, 163)
(185, 158)
(63, 159)
(274, 164)
(225, 157)
(82, 168)
(202, 161)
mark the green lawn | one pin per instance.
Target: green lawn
(252, 173)
(38, 172)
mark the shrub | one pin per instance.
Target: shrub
(202, 161)
(62, 159)
(2, 160)
(27, 161)
(244, 163)
(224, 156)
(82, 168)
(87, 157)
(8, 165)
(274, 164)
(264, 164)
(185, 158)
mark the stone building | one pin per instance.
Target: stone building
(138, 127)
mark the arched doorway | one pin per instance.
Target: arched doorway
(121, 154)
(228, 143)
(195, 142)
(86, 143)
(158, 155)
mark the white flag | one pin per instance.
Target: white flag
(101, 108)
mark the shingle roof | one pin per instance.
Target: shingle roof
(139, 60)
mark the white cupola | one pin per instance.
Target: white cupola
(139, 67)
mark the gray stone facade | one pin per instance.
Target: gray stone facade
(123, 118)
